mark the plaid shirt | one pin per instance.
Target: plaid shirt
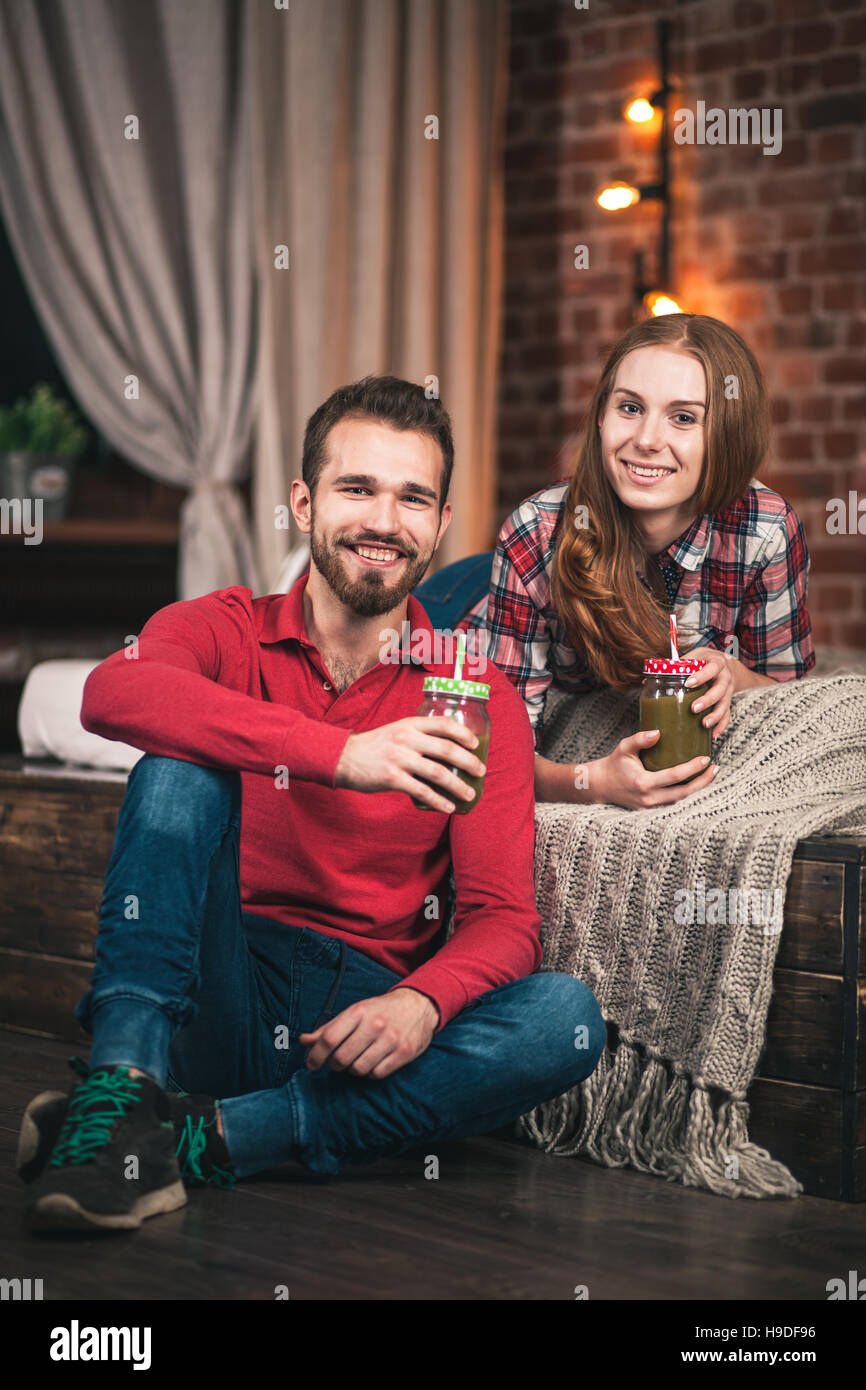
(740, 571)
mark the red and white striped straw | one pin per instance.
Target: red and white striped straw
(675, 655)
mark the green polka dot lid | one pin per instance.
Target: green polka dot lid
(447, 685)
(454, 685)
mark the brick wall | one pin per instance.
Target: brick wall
(773, 245)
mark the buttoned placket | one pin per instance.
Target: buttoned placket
(314, 657)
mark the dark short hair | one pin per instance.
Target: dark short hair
(401, 404)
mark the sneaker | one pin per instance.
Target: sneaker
(201, 1151)
(110, 1117)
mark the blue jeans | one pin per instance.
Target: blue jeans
(210, 999)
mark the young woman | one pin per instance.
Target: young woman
(663, 513)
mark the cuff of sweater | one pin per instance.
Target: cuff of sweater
(318, 760)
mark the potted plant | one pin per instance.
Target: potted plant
(40, 439)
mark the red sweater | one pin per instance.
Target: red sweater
(232, 681)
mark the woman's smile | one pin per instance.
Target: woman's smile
(647, 474)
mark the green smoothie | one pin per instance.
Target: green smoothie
(465, 701)
(682, 734)
(476, 783)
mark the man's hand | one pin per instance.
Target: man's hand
(375, 1037)
(395, 756)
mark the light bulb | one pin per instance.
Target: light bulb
(616, 196)
(640, 111)
(660, 303)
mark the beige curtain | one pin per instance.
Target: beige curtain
(394, 239)
(138, 252)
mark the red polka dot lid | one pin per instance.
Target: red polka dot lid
(663, 666)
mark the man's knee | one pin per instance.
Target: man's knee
(573, 1029)
(171, 793)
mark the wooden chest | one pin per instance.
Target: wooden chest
(56, 838)
(808, 1101)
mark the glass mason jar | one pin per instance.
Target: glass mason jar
(463, 701)
(666, 704)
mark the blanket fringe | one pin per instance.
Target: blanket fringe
(631, 1113)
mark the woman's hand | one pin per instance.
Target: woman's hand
(714, 705)
(621, 779)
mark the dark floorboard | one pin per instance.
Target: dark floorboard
(503, 1222)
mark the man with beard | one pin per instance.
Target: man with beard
(271, 984)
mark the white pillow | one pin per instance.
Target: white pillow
(49, 719)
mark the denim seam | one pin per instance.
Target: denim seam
(319, 946)
(293, 1005)
(300, 1133)
(233, 827)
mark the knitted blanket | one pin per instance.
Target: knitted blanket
(638, 905)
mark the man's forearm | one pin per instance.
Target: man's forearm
(172, 711)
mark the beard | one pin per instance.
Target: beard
(372, 593)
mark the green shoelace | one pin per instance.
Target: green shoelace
(94, 1108)
(191, 1171)
(85, 1130)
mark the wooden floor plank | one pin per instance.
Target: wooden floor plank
(503, 1222)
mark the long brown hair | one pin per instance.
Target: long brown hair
(612, 620)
